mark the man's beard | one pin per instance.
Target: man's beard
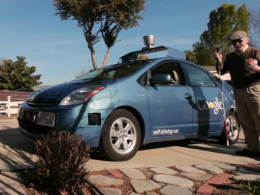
(240, 47)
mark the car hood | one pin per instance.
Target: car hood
(56, 93)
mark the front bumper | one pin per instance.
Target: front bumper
(68, 118)
(33, 136)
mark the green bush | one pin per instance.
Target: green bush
(60, 165)
(252, 187)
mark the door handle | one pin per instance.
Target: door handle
(187, 95)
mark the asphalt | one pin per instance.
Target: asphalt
(17, 151)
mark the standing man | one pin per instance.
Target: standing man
(243, 64)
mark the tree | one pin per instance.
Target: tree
(222, 23)
(109, 34)
(191, 56)
(111, 16)
(255, 29)
(203, 55)
(17, 75)
(1, 62)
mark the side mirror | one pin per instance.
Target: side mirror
(161, 79)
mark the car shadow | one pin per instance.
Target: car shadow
(207, 145)
(96, 155)
(203, 144)
(218, 148)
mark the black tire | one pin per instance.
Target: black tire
(106, 147)
(232, 140)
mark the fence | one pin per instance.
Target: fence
(9, 107)
(16, 96)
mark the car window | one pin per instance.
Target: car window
(197, 76)
(116, 71)
(142, 80)
(217, 81)
(171, 68)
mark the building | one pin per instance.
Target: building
(213, 70)
(40, 86)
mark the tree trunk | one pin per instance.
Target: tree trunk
(93, 56)
(105, 60)
(92, 51)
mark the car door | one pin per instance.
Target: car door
(170, 111)
(206, 101)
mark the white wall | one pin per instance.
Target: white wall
(223, 77)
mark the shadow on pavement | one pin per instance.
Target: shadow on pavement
(13, 148)
(15, 152)
(6, 188)
(208, 145)
(211, 146)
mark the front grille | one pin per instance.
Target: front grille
(33, 127)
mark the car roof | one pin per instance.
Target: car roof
(172, 54)
(147, 50)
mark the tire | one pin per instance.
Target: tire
(233, 128)
(120, 144)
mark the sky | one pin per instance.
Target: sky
(59, 51)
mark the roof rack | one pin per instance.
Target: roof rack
(149, 42)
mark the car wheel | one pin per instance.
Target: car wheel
(233, 129)
(121, 136)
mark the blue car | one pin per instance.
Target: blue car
(137, 101)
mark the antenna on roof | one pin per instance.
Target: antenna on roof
(149, 41)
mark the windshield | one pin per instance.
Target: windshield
(116, 71)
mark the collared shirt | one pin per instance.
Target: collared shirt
(242, 50)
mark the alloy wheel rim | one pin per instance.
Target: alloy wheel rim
(232, 128)
(123, 136)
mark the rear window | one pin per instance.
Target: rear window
(116, 71)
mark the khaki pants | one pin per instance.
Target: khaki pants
(248, 109)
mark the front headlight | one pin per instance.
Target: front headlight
(81, 95)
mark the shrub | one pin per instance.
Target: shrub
(252, 187)
(60, 167)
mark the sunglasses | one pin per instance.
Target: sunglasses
(236, 41)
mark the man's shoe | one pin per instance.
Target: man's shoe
(247, 153)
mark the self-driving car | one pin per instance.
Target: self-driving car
(136, 101)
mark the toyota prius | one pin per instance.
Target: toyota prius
(120, 107)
